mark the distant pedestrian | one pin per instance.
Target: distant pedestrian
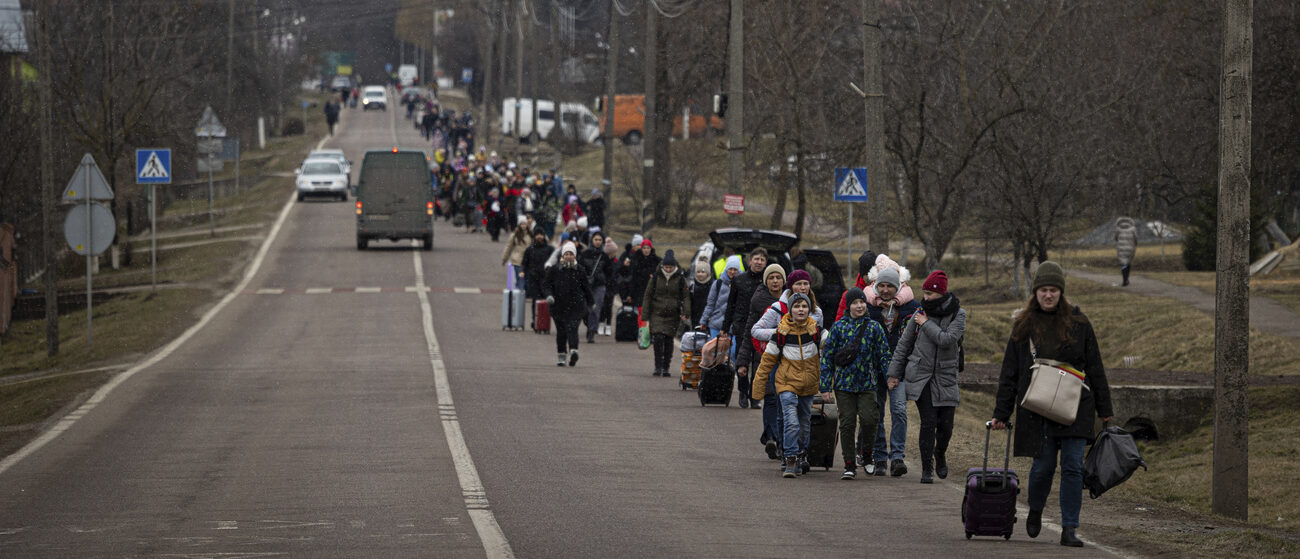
(715, 308)
(926, 359)
(1049, 327)
(644, 264)
(611, 289)
(736, 321)
(534, 268)
(700, 291)
(569, 297)
(791, 360)
(600, 269)
(596, 209)
(331, 115)
(855, 357)
(516, 246)
(666, 304)
(1126, 238)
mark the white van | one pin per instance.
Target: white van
(575, 119)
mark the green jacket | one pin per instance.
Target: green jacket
(666, 301)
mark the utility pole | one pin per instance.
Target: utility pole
(736, 104)
(611, 79)
(519, 75)
(503, 7)
(230, 55)
(874, 151)
(649, 133)
(50, 276)
(433, 43)
(1229, 493)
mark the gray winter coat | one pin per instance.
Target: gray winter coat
(931, 352)
(1126, 236)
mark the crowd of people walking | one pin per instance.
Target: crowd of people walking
(883, 348)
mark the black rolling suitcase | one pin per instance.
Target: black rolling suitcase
(625, 325)
(716, 384)
(824, 431)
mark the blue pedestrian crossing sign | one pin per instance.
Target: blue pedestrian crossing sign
(153, 166)
(850, 184)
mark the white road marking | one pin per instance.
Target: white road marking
(319, 290)
(270, 291)
(369, 290)
(227, 525)
(467, 290)
(476, 501)
(67, 421)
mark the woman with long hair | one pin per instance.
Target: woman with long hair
(1049, 327)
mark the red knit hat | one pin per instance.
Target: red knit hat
(937, 282)
(647, 243)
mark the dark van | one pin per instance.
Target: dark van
(395, 197)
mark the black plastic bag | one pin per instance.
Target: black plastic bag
(1112, 460)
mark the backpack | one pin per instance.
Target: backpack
(780, 338)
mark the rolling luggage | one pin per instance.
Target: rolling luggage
(691, 370)
(542, 323)
(625, 325)
(989, 506)
(716, 385)
(825, 429)
(512, 309)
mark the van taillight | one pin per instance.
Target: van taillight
(427, 205)
(358, 207)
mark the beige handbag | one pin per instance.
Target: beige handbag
(1054, 389)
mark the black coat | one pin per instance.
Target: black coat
(534, 264)
(568, 285)
(758, 304)
(643, 267)
(600, 268)
(699, 299)
(596, 212)
(1083, 354)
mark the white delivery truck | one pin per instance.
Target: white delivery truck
(408, 74)
(575, 120)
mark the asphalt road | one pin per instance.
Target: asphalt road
(313, 416)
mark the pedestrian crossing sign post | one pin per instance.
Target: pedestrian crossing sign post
(153, 166)
(850, 186)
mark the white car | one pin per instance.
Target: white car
(322, 177)
(374, 97)
(336, 154)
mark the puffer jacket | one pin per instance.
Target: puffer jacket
(765, 326)
(568, 284)
(534, 263)
(746, 354)
(736, 320)
(1126, 238)
(1084, 355)
(871, 363)
(666, 300)
(932, 352)
(599, 267)
(796, 361)
(715, 310)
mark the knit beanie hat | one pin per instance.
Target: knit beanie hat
(582, 222)
(669, 258)
(1049, 273)
(798, 275)
(611, 248)
(865, 262)
(564, 236)
(773, 269)
(853, 294)
(702, 266)
(936, 282)
(636, 240)
(801, 297)
(521, 220)
(733, 261)
(569, 247)
(889, 276)
(647, 243)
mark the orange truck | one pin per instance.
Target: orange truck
(629, 119)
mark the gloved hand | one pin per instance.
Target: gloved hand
(550, 300)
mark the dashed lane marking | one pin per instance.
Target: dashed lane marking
(372, 289)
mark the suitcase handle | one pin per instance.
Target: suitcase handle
(988, 431)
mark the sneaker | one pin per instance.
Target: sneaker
(880, 468)
(772, 451)
(897, 468)
(573, 357)
(791, 468)
(560, 361)
(869, 469)
(850, 471)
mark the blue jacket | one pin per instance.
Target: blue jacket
(873, 360)
(715, 312)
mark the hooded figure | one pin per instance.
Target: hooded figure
(701, 283)
(1126, 237)
(596, 208)
(715, 309)
(644, 264)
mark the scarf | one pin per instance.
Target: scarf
(941, 307)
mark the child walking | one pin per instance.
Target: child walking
(856, 354)
(792, 357)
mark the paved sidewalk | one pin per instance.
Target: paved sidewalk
(1265, 314)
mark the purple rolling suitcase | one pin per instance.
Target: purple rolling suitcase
(989, 506)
